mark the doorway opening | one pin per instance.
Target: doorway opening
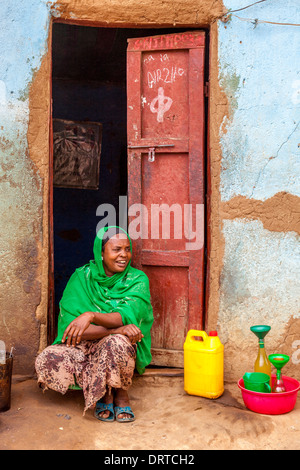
(89, 86)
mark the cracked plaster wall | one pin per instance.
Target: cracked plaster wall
(260, 181)
(23, 42)
(258, 71)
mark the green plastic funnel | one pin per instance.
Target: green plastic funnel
(260, 330)
(278, 360)
(262, 364)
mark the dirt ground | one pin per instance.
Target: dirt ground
(166, 419)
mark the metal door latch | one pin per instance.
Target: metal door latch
(151, 150)
(151, 154)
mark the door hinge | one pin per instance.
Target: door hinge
(206, 89)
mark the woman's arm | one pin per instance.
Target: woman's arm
(108, 320)
(93, 332)
(96, 332)
(81, 328)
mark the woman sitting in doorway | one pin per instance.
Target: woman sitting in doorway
(103, 330)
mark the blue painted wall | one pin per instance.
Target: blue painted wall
(259, 71)
(23, 36)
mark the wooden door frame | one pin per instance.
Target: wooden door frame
(207, 174)
(51, 310)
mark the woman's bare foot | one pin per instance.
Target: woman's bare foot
(121, 399)
(107, 399)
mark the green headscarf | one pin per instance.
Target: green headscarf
(91, 290)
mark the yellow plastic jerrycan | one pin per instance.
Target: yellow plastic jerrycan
(203, 364)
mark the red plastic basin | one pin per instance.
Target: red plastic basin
(272, 403)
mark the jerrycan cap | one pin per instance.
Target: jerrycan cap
(213, 333)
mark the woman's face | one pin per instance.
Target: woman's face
(116, 254)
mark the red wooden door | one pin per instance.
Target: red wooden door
(165, 87)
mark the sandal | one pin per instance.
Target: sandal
(104, 407)
(124, 409)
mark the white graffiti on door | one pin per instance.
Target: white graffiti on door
(162, 58)
(164, 103)
(166, 75)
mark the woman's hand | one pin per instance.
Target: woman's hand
(76, 328)
(133, 333)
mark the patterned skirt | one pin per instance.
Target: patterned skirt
(97, 366)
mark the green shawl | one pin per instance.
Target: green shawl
(91, 290)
